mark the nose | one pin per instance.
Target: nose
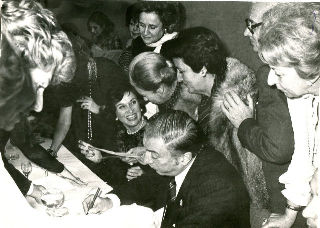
(247, 32)
(39, 100)
(272, 78)
(146, 30)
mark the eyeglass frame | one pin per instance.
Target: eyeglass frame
(251, 25)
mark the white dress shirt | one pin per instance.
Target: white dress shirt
(304, 114)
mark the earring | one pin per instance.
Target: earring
(117, 119)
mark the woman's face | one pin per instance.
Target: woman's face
(128, 110)
(192, 80)
(95, 29)
(134, 29)
(288, 81)
(151, 28)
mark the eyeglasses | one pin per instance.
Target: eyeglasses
(251, 25)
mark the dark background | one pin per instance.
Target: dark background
(225, 18)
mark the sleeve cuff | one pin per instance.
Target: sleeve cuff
(244, 126)
(115, 200)
(30, 190)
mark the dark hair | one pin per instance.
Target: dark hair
(171, 14)
(102, 20)
(117, 92)
(198, 47)
(132, 12)
(177, 130)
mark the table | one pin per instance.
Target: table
(74, 194)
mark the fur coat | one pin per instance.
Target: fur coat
(223, 135)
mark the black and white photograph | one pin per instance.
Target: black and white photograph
(158, 114)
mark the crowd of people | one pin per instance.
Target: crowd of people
(215, 143)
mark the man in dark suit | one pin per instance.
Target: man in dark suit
(205, 190)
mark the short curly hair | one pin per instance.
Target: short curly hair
(44, 45)
(290, 36)
(198, 47)
(171, 14)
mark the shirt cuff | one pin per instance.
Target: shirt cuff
(30, 190)
(114, 199)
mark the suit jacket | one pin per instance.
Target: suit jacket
(270, 136)
(211, 195)
(22, 182)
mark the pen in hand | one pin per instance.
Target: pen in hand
(93, 200)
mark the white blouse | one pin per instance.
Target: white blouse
(305, 113)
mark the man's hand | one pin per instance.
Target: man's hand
(235, 109)
(139, 151)
(279, 220)
(134, 172)
(100, 205)
(89, 104)
(38, 191)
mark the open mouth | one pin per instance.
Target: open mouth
(131, 117)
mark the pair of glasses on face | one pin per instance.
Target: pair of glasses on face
(251, 25)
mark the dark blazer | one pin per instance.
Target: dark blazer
(270, 136)
(22, 182)
(211, 195)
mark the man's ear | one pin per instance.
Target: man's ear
(161, 89)
(185, 158)
(203, 71)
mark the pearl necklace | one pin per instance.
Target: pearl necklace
(92, 70)
(141, 125)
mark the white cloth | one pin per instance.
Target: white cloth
(16, 212)
(164, 38)
(304, 114)
(181, 176)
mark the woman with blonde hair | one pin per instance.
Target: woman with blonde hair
(156, 80)
(289, 43)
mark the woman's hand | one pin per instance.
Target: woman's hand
(134, 172)
(89, 152)
(89, 104)
(139, 151)
(235, 109)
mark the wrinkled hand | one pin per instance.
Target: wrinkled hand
(89, 104)
(279, 220)
(235, 109)
(134, 172)
(139, 151)
(89, 152)
(38, 191)
(100, 205)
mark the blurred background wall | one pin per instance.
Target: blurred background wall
(225, 18)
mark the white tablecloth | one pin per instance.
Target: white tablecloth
(11, 199)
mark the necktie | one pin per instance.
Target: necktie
(172, 191)
(170, 198)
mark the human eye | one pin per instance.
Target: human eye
(141, 25)
(120, 107)
(134, 101)
(153, 27)
(154, 155)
